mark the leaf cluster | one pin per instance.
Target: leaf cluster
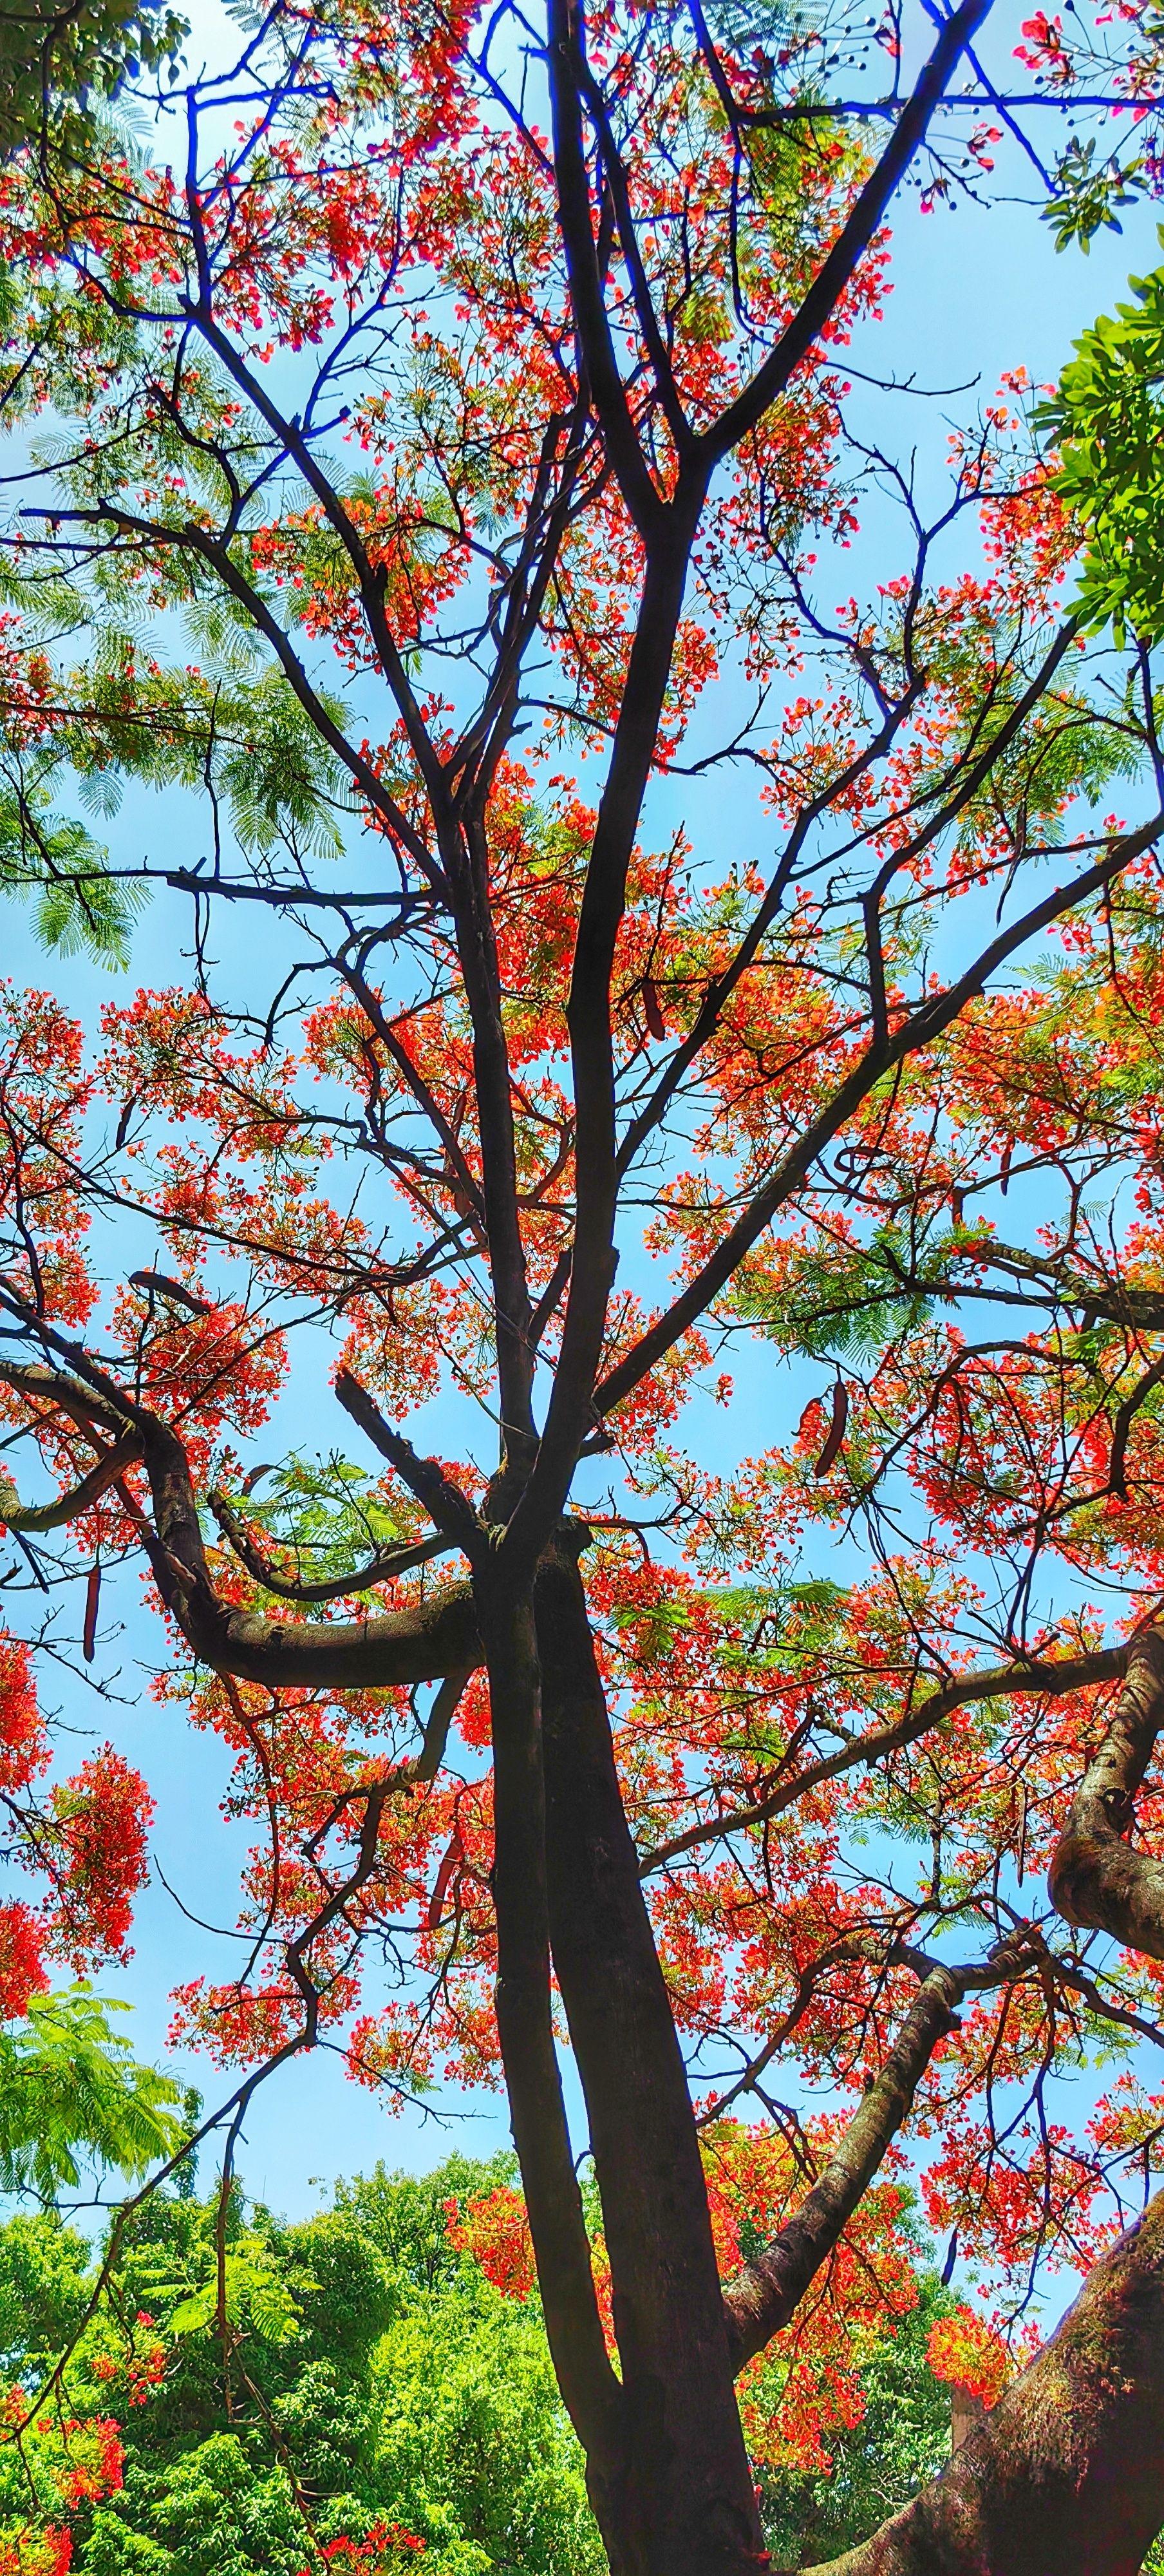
(70, 2090)
(1107, 420)
(52, 56)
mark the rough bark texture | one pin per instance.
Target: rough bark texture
(1096, 1879)
(1066, 2476)
(686, 2505)
(525, 2029)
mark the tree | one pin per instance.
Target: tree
(384, 2380)
(1106, 416)
(459, 385)
(379, 2383)
(52, 56)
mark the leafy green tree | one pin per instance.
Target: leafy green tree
(359, 2372)
(373, 2375)
(1107, 419)
(52, 53)
(356, 2370)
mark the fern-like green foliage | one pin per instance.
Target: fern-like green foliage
(55, 859)
(255, 2294)
(326, 1517)
(72, 2093)
(846, 1301)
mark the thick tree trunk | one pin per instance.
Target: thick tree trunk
(685, 2504)
(525, 2029)
(1097, 1879)
(1066, 2476)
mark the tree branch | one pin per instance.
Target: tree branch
(1001, 1682)
(37, 1518)
(422, 1643)
(382, 1568)
(1067, 2471)
(828, 286)
(919, 1030)
(1096, 1879)
(764, 2295)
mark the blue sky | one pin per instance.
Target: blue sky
(974, 293)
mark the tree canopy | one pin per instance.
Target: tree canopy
(389, 2378)
(676, 1056)
(57, 54)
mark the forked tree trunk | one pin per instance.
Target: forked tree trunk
(1066, 2476)
(682, 2502)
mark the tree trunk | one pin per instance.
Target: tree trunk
(685, 2504)
(589, 2388)
(1065, 2477)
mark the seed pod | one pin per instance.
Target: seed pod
(832, 1448)
(452, 1859)
(155, 1283)
(1004, 1166)
(92, 1598)
(653, 1008)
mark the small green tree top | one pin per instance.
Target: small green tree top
(1107, 420)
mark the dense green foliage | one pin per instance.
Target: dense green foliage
(369, 2374)
(1108, 421)
(51, 53)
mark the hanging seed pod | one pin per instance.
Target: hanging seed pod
(92, 1599)
(156, 1284)
(1004, 1167)
(452, 1859)
(832, 1448)
(653, 1008)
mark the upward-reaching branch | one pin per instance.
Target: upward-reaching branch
(1097, 1880)
(835, 273)
(916, 1031)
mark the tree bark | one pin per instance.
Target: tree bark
(589, 2388)
(1096, 1879)
(1065, 2477)
(684, 2504)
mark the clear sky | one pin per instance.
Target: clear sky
(974, 294)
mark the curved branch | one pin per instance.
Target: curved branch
(381, 1568)
(37, 1518)
(424, 1642)
(1002, 1682)
(1096, 1879)
(1067, 2472)
(764, 2295)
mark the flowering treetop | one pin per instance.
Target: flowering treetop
(441, 414)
